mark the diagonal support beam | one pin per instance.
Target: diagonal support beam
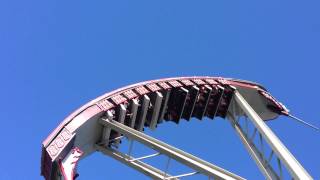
(195, 163)
(267, 170)
(293, 166)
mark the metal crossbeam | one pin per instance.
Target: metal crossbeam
(145, 157)
(195, 163)
(140, 166)
(182, 175)
(283, 154)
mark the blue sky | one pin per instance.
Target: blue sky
(57, 55)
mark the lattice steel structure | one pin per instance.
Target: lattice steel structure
(101, 124)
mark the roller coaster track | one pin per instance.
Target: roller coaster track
(104, 122)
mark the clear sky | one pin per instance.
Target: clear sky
(57, 55)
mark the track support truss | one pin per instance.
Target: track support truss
(198, 165)
(259, 138)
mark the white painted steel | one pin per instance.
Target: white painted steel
(293, 166)
(182, 175)
(254, 153)
(140, 166)
(145, 157)
(156, 110)
(172, 152)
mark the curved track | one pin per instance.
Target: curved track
(147, 104)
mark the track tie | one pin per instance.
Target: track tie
(190, 102)
(164, 105)
(106, 131)
(202, 102)
(121, 114)
(142, 113)
(214, 102)
(176, 104)
(131, 118)
(153, 114)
